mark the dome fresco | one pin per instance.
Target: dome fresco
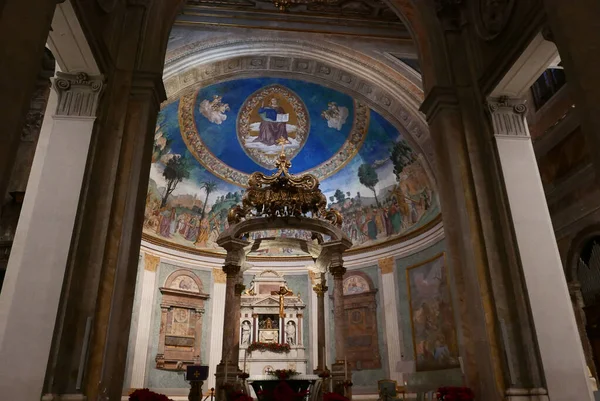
(210, 140)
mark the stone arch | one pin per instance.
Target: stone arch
(577, 244)
(362, 279)
(177, 278)
(421, 21)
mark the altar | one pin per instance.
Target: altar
(264, 386)
(271, 324)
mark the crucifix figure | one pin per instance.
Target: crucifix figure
(283, 291)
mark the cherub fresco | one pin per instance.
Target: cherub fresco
(214, 110)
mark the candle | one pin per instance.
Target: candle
(245, 357)
(346, 367)
(324, 365)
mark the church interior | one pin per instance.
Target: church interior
(299, 200)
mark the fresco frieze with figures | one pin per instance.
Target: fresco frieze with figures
(209, 141)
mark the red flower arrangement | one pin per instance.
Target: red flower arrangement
(271, 347)
(334, 397)
(147, 395)
(283, 374)
(455, 394)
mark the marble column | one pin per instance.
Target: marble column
(230, 313)
(218, 319)
(580, 318)
(570, 29)
(31, 293)
(564, 366)
(142, 335)
(393, 333)
(338, 313)
(320, 290)
(23, 34)
(338, 373)
(227, 370)
(237, 306)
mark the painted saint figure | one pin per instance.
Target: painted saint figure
(273, 126)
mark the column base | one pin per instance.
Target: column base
(338, 379)
(526, 394)
(224, 386)
(64, 397)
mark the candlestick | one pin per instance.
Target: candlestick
(346, 368)
(226, 361)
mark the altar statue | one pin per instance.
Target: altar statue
(290, 333)
(246, 328)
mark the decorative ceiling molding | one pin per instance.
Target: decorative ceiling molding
(385, 90)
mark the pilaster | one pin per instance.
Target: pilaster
(142, 336)
(564, 367)
(395, 343)
(39, 256)
(218, 320)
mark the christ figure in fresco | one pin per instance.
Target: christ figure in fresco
(273, 126)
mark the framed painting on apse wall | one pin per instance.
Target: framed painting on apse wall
(432, 319)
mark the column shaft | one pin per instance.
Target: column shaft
(36, 268)
(321, 289)
(339, 316)
(230, 316)
(564, 367)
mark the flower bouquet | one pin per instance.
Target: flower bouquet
(455, 394)
(283, 374)
(147, 395)
(271, 347)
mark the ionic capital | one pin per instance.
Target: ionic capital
(508, 117)
(78, 94)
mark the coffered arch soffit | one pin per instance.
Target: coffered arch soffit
(385, 89)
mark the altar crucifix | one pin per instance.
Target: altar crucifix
(283, 292)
